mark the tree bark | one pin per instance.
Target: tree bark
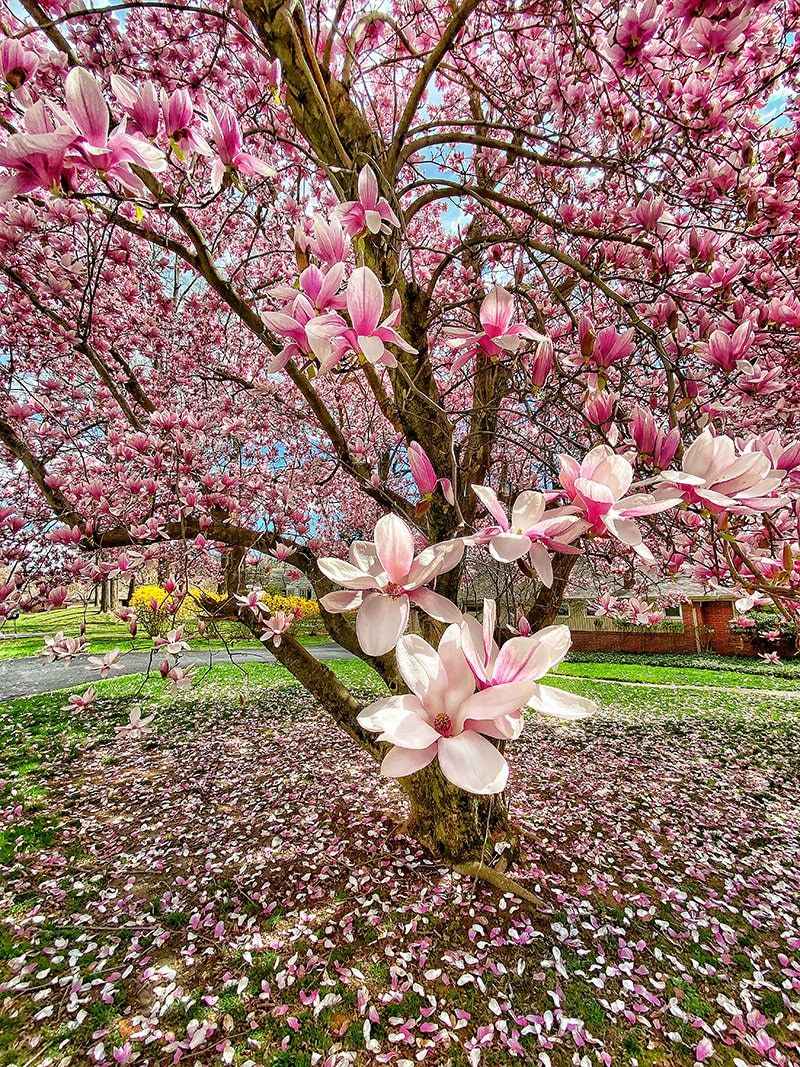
(545, 607)
(456, 826)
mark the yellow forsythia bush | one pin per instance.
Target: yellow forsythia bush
(154, 608)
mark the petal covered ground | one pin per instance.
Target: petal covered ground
(235, 890)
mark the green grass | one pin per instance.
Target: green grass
(103, 633)
(635, 699)
(223, 676)
(640, 672)
(35, 732)
(788, 668)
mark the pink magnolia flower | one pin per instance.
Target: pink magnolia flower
(330, 243)
(369, 335)
(782, 457)
(171, 642)
(499, 335)
(57, 597)
(227, 137)
(770, 657)
(530, 530)
(320, 288)
(599, 408)
(597, 486)
(755, 380)
(81, 701)
(443, 717)
(606, 605)
(521, 660)
(424, 474)
(37, 156)
(716, 478)
(180, 123)
(96, 147)
(57, 646)
(137, 726)
(383, 579)
(17, 64)
(542, 362)
(523, 627)
(610, 347)
(252, 600)
(652, 442)
(276, 626)
(180, 677)
(105, 664)
(306, 332)
(371, 211)
(724, 350)
(140, 104)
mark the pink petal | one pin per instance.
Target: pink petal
(380, 622)
(407, 728)
(398, 762)
(528, 509)
(472, 763)
(372, 347)
(496, 311)
(433, 561)
(435, 605)
(542, 564)
(507, 547)
(364, 301)
(86, 106)
(344, 573)
(368, 189)
(342, 600)
(394, 544)
(488, 498)
(497, 700)
(383, 712)
(560, 705)
(373, 221)
(422, 670)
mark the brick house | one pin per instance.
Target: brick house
(700, 622)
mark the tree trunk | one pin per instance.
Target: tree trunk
(544, 609)
(233, 571)
(105, 596)
(456, 826)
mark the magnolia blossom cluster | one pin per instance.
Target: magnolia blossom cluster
(274, 624)
(632, 611)
(464, 695)
(58, 145)
(309, 321)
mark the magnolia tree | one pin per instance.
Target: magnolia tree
(360, 287)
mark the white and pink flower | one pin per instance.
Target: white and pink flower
(530, 530)
(382, 580)
(499, 336)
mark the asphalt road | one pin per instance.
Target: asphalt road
(25, 677)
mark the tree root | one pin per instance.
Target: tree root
(501, 881)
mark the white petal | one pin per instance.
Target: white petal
(561, 705)
(473, 763)
(380, 622)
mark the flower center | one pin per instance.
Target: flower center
(443, 724)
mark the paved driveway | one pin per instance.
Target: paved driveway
(25, 677)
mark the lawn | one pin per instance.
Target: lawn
(679, 675)
(237, 888)
(22, 637)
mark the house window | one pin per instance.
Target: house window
(563, 611)
(673, 613)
